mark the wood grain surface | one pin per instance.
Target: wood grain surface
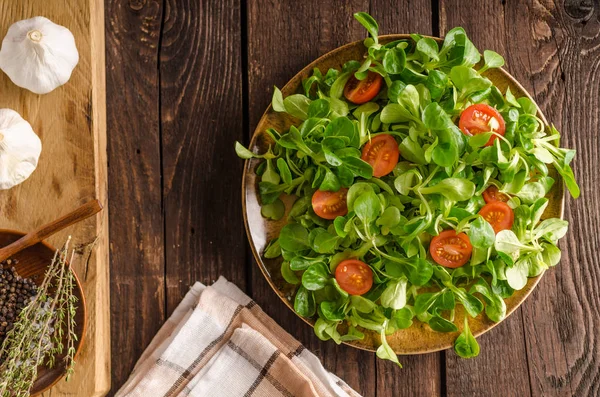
(497, 367)
(201, 114)
(186, 78)
(317, 28)
(552, 340)
(135, 175)
(71, 123)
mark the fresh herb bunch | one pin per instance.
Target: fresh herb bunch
(45, 328)
(373, 242)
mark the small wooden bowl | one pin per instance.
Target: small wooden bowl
(33, 263)
(418, 338)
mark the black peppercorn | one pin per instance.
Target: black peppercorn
(16, 293)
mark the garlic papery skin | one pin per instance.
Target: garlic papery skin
(38, 54)
(20, 149)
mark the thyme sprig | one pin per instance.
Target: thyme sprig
(45, 328)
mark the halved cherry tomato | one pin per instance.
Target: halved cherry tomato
(480, 118)
(492, 194)
(450, 249)
(382, 153)
(362, 91)
(354, 277)
(499, 215)
(330, 205)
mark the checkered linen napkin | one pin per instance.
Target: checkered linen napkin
(219, 342)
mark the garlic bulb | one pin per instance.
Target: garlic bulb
(20, 149)
(38, 54)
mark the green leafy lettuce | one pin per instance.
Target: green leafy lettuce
(437, 185)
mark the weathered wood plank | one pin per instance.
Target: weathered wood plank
(201, 117)
(309, 30)
(420, 376)
(413, 18)
(562, 316)
(556, 58)
(283, 37)
(501, 367)
(499, 370)
(137, 241)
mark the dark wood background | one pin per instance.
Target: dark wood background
(186, 78)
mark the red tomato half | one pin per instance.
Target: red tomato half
(330, 205)
(498, 214)
(477, 119)
(450, 249)
(492, 194)
(382, 153)
(362, 91)
(354, 277)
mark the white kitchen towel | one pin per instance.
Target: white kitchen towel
(218, 342)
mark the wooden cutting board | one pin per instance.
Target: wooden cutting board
(71, 123)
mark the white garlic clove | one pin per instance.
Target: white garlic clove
(38, 54)
(20, 149)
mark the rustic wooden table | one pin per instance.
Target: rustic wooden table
(185, 79)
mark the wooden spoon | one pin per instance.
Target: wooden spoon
(43, 232)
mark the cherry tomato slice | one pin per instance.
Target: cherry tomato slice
(354, 277)
(330, 205)
(480, 118)
(382, 153)
(492, 194)
(450, 249)
(498, 214)
(362, 91)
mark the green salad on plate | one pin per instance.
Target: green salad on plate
(419, 186)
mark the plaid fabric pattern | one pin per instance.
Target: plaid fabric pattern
(218, 342)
